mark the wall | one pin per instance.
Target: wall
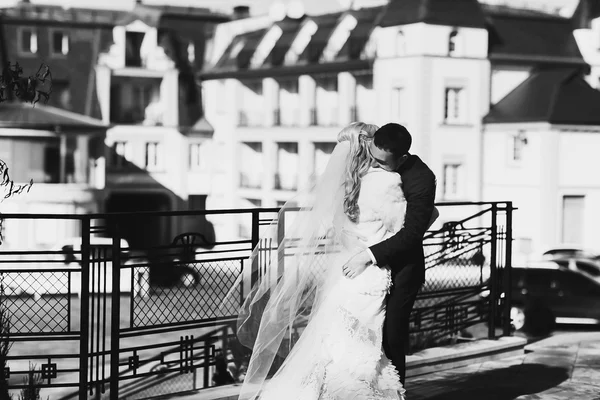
(556, 162)
(72, 70)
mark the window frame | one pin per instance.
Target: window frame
(34, 32)
(159, 164)
(460, 103)
(65, 33)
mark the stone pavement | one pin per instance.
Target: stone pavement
(561, 367)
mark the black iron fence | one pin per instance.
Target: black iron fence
(106, 315)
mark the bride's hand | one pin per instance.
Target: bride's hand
(356, 265)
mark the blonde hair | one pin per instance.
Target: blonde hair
(359, 135)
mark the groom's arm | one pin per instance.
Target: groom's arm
(419, 191)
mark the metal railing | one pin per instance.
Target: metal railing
(147, 320)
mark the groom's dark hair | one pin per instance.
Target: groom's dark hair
(393, 138)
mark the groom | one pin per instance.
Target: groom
(403, 252)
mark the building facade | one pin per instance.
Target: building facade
(132, 72)
(158, 142)
(59, 145)
(283, 90)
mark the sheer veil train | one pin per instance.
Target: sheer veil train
(307, 239)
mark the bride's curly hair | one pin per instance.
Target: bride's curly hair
(359, 135)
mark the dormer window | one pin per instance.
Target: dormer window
(265, 46)
(133, 47)
(191, 52)
(300, 42)
(237, 48)
(59, 44)
(28, 41)
(370, 50)
(400, 43)
(453, 45)
(338, 38)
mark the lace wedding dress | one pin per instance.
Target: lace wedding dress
(339, 355)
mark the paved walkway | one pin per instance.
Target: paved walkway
(565, 366)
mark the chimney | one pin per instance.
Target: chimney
(241, 12)
(582, 15)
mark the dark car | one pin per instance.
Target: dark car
(570, 252)
(546, 293)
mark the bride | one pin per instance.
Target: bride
(318, 331)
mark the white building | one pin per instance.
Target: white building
(159, 141)
(452, 74)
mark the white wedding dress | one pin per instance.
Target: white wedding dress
(339, 355)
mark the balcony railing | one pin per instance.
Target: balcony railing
(131, 314)
(313, 117)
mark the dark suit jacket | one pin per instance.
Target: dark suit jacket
(403, 252)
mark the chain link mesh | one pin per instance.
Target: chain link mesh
(28, 301)
(185, 302)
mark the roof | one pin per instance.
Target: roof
(19, 115)
(177, 18)
(463, 13)
(201, 128)
(525, 35)
(247, 43)
(586, 11)
(180, 19)
(326, 24)
(23, 11)
(366, 22)
(553, 95)
(290, 28)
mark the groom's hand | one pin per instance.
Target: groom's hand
(356, 265)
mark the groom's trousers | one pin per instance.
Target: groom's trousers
(399, 304)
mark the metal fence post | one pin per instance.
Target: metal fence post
(493, 299)
(507, 275)
(85, 308)
(115, 312)
(280, 246)
(254, 273)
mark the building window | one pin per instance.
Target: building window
(573, 219)
(397, 103)
(251, 100)
(28, 41)
(453, 181)
(59, 43)
(322, 154)
(288, 109)
(452, 42)
(251, 165)
(326, 111)
(400, 43)
(455, 106)
(286, 177)
(154, 156)
(133, 47)
(518, 143)
(199, 156)
(121, 154)
(191, 52)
